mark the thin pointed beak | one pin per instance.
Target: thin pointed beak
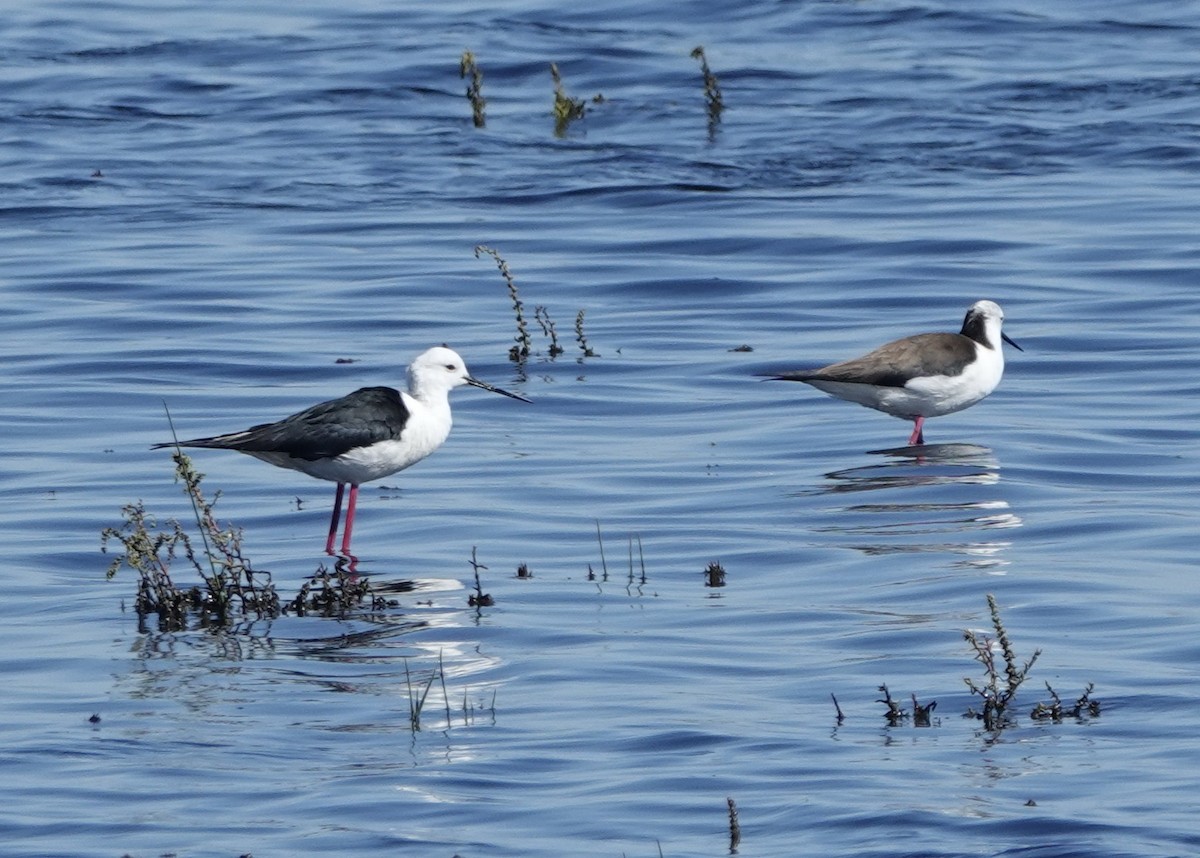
(1006, 339)
(483, 385)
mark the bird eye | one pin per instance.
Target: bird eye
(451, 367)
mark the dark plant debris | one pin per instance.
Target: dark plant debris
(895, 715)
(1004, 673)
(1084, 707)
(479, 599)
(922, 715)
(735, 827)
(523, 347)
(712, 91)
(999, 687)
(542, 316)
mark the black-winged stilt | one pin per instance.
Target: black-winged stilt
(363, 436)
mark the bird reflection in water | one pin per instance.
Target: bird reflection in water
(907, 526)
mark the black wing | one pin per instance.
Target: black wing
(326, 430)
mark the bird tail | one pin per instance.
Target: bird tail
(232, 441)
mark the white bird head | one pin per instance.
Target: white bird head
(983, 324)
(439, 370)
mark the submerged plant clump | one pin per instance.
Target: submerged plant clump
(714, 575)
(334, 593)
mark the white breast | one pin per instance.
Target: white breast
(427, 428)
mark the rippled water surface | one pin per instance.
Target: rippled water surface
(242, 209)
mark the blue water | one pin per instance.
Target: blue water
(240, 210)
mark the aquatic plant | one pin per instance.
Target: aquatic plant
(542, 316)
(524, 344)
(603, 562)
(712, 91)
(467, 67)
(1054, 711)
(580, 338)
(735, 827)
(641, 560)
(335, 593)
(232, 588)
(566, 109)
(714, 575)
(999, 686)
(922, 715)
(479, 599)
(841, 716)
(416, 702)
(895, 715)
(468, 708)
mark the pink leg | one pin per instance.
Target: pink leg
(917, 436)
(349, 519)
(337, 515)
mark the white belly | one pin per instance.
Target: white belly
(930, 396)
(381, 459)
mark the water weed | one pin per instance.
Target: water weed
(712, 91)
(999, 687)
(735, 827)
(542, 316)
(566, 109)
(714, 575)
(580, 338)
(231, 589)
(479, 599)
(469, 70)
(523, 347)
(1085, 706)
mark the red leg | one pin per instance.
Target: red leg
(337, 515)
(917, 436)
(349, 519)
